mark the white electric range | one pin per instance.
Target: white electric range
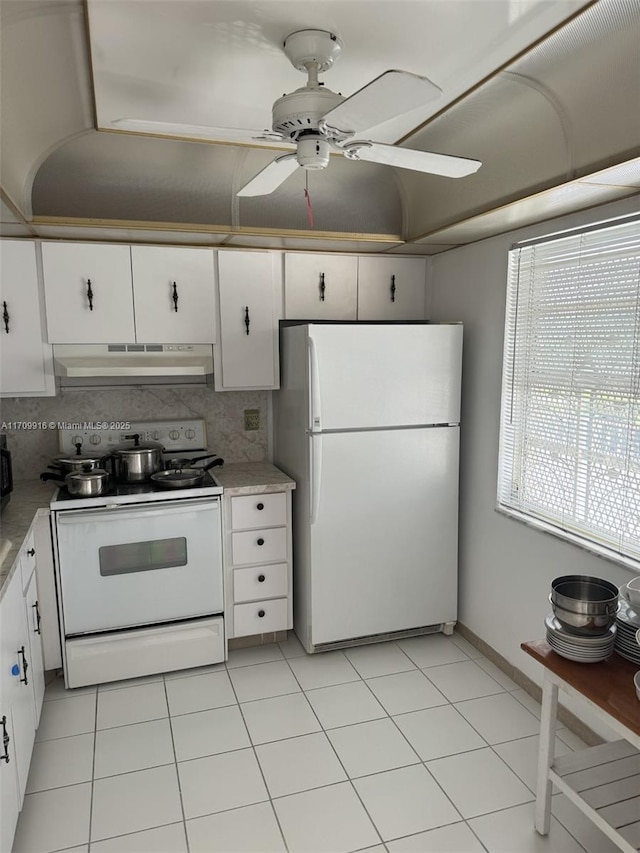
(139, 569)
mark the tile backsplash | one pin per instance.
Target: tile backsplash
(223, 412)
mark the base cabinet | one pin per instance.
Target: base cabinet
(21, 689)
(258, 566)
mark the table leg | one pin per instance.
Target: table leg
(546, 754)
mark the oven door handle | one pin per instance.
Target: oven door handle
(136, 511)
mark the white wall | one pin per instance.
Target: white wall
(506, 568)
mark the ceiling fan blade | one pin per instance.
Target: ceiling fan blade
(389, 95)
(270, 178)
(195, 131)
(408, 158)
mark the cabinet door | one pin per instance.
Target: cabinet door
(88, 293)
(25, 361)
(391, 288)
(17, 685)
(32, 614)
(320, 287)
(248, 325)
(9, 792)
(173, 295)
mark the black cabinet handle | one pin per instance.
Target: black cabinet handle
(260, 507)
(246, 318)
(5, 317)
(90, 294)
(5, 741)
(25, 666)
(393, 288)
(261, 578)
(31, 552)
(175, 297)
(261, 613)
(260, 541)
(37, 609)
(322, 287)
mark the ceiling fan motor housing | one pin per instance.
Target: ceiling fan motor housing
(313, 152)
(302, 110)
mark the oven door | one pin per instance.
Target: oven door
(137, 565)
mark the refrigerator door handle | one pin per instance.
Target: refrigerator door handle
(314, 385)
(315, 474)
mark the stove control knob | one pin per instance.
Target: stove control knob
(190, 433)
(94, 439)
(174, 435)
(77, 439)
(155, 435)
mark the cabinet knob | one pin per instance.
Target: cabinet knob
(260, 541)
(261, 578)
(260, 506)
(261, 613)
(31, 552)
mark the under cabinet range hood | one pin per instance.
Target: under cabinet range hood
(84, 364)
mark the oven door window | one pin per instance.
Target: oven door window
(142, 556)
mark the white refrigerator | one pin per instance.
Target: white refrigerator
(367, 423)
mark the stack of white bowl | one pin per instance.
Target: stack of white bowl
(627, 642)
(582, 625)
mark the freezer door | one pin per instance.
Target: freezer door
(364, 376)
(383, 531)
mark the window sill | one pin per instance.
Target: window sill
(593, 548)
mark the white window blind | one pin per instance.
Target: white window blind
(570, 415)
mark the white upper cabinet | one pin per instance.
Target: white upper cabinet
(247, 353)
(320, 287)
(173, 295)
(88, 293)
(391, 288)
(26, 363)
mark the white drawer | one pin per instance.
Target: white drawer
(260, 582)
(259, 546)
(258, 511)
(144, 651)
(260, 617)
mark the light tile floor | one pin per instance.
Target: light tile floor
(418, 745)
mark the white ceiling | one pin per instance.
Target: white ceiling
(221, 63)
(556, 125)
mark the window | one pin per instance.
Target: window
(569, 455)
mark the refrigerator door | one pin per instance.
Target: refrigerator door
(367, 376)
(383, 531)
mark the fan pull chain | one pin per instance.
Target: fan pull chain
(308, 197)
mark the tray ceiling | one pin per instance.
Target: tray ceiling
(221, 63)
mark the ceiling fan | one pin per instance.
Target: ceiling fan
(318, 121)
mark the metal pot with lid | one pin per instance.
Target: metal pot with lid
(87, 483)
(136, 462)
(67, 464)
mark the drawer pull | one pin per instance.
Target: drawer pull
(261, 613)
(260, 541)
(37, 609)
(260, 506)
(5, 740)
(31, 552)
(25, 666)
(261, 578)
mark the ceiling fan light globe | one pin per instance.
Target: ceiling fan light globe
(313, 152)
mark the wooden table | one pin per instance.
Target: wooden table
(603, 781)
